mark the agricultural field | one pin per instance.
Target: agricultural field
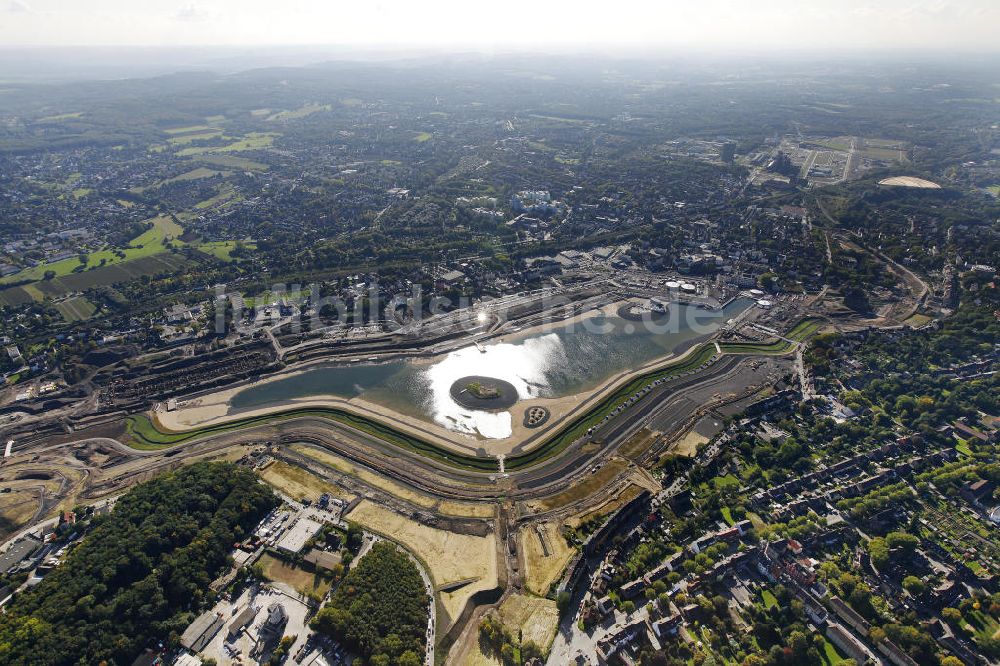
(476, 570)
(76, 308)
(16, 296)
(105, 276)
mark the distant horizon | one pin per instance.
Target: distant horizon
(617, 51)
(64, 63)
(776, 25)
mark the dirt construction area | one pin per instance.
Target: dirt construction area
(297, 483)
(546, 554)
(535, 617)
(305, 582)
(345, 466)
(456, 577)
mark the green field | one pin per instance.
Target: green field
(830, 654)
(190, 129)
(225, 194)
(726, 481)
(232, 162)
(252, 141)
(301, 112)
(193, 174)
(61, 116)
(835, 145)
(422, 136)
(158, 264)
(183, 139)
(558, 119)
(778, 347)
(222, 249)
(804, 329)
(76, 309)
(770, 601)
(982, 623)
(886, 154)
(15, 296)
(916, 320)
(145, 245)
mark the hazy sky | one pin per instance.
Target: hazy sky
(663, 24)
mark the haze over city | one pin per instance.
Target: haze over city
(847, 25)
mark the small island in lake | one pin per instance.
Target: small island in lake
(485, 393)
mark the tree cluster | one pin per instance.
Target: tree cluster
(141, 572)
(380, 610)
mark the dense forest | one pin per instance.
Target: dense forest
(140, 574)
(380, 610)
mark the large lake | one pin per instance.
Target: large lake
(571, 358)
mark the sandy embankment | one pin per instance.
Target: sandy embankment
(214, 409)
